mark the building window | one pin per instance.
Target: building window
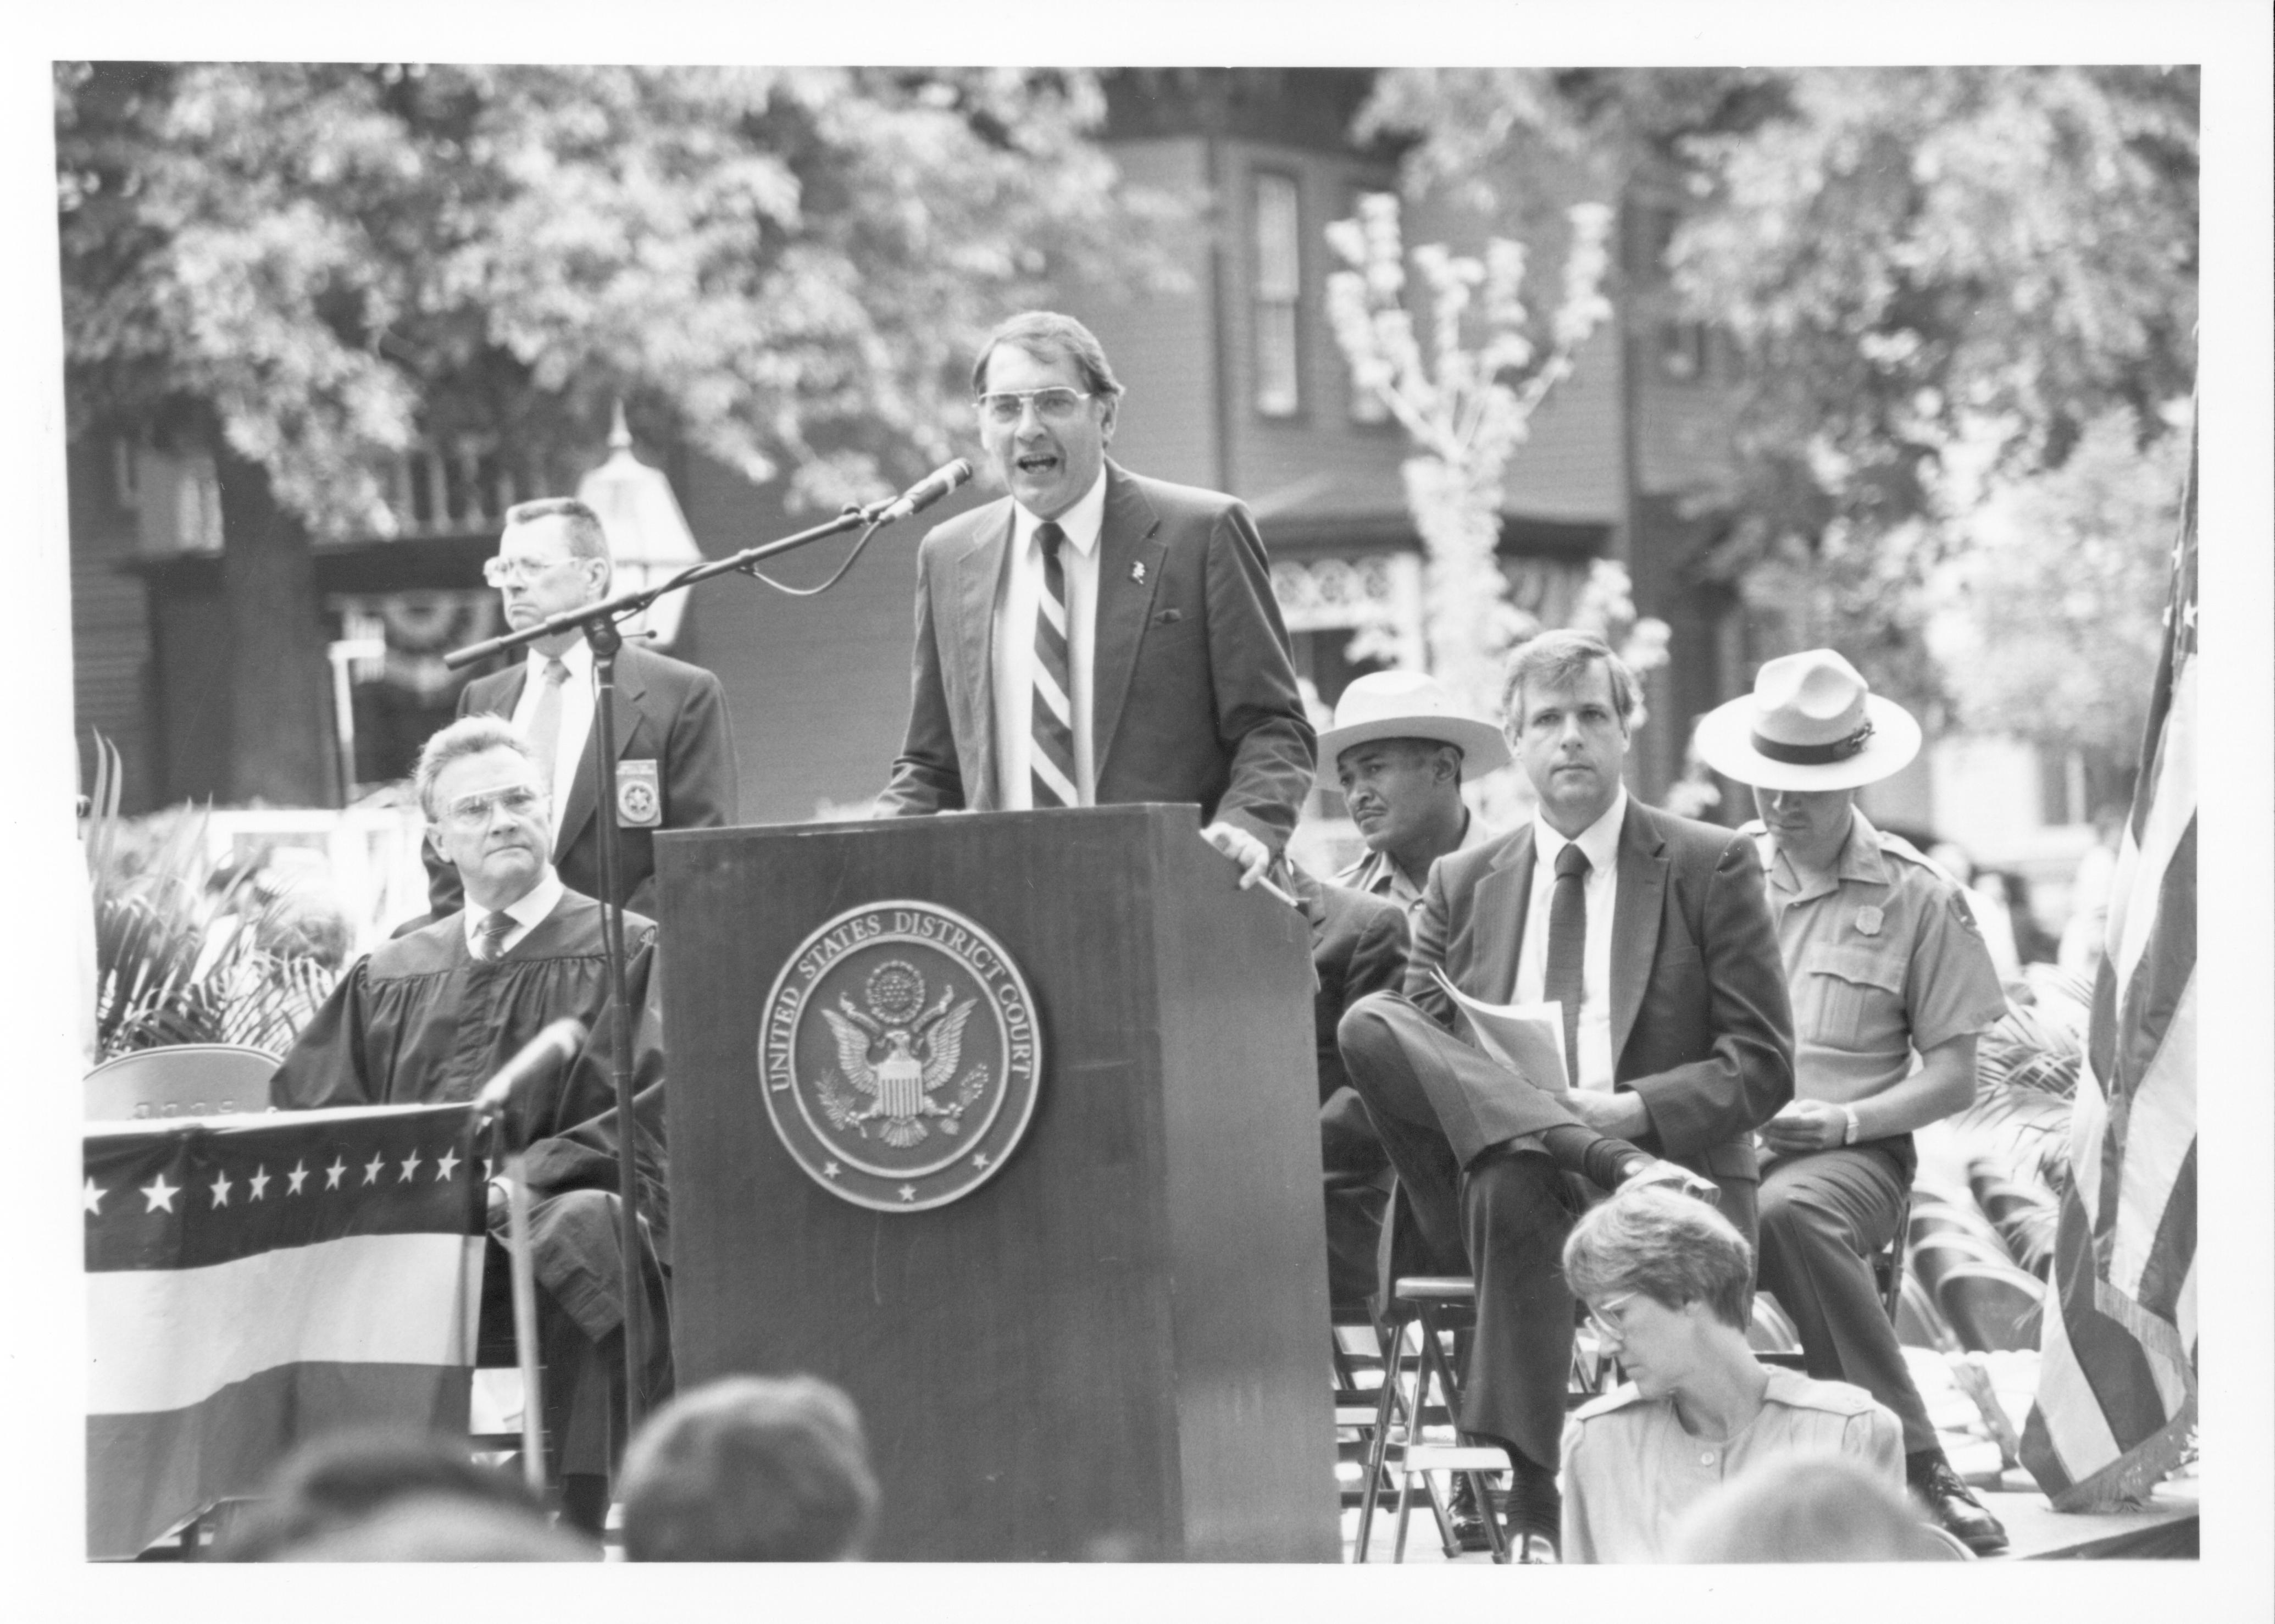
(1686, 351)
(1279, 286)
(127, 474)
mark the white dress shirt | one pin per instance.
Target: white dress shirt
(576, 717)
(1015, 645)
(526, 914)
(1600, 840)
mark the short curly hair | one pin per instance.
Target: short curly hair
(1673, 1248)
(750, 1469)
(469, 736)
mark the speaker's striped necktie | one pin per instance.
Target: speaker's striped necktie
(1051, 766)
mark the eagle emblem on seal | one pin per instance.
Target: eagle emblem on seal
(895, 1058)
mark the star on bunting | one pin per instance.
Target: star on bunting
(220, 1188)
(445, 1169)
(410, 1166)
(908, 1192)
(159, 1195)
(332, 1173)
(258, 1183)
(93, 1196)
(829, 1169)
(370, 1168)
(299, 1176)
(980, 1161)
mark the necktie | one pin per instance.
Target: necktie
(493, 936)
(1051, 766)
(1567, 948)
(544, 725)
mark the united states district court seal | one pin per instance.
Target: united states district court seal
(899, 1055)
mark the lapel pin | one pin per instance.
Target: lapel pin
(1137, 573)
(1868, 920)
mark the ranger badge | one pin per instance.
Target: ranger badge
(639, 803)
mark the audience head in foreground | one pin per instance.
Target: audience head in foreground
(1668, 1281)
(370, 1496)
(750, 1469)
(1808, 1508)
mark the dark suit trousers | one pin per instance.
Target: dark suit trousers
(1440, 1107)
(1823, 1215)
(1357, 1178)
(1463, 1132)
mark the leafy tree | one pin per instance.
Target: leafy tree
(1920, 266)
(2049, 626)
(1465, 388)
(304, 267)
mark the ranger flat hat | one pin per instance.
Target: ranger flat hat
(1409, 705)
(1810, 723)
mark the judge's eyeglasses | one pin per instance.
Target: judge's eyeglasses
(473, 811)
(1053, 405)
(497, 571)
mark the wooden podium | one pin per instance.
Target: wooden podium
(1115, 1346)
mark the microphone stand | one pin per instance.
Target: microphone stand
(598, 624)
(516, 1163)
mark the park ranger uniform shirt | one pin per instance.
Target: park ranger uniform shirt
(1376, 875)
(1882, 960)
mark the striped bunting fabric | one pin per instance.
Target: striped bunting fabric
(254, 1280)
(2117, 1383)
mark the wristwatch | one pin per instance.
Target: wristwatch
(1851, 1135)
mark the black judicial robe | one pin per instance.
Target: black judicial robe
(420, 1021)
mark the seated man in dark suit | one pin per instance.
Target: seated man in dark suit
(431, 1015)
(675, 749)
(1358, 945)
(1651, 932)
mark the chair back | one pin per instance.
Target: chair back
(185, 1079)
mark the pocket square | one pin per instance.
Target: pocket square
(1169, 617)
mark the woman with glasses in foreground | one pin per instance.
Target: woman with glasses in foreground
(1669, 1286)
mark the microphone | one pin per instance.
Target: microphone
(557, 1045)
(924, 492)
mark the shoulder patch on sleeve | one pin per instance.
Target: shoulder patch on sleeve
(1963, 914)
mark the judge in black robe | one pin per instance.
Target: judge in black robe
(424, 1019)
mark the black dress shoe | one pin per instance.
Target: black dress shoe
(1469, 1522)
(1954, 1505)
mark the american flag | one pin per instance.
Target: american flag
(2117, 1383)
(252, 1280)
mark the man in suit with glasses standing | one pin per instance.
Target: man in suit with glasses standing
(1097, 636)
(674, 749)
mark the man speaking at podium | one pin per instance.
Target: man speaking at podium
(431, 1015)
(1097, 636)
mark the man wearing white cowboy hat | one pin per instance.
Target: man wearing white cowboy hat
(1884, 959)
(1400, 753)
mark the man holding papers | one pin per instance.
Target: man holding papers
(1651, 935)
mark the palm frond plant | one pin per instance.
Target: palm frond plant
(187, 949)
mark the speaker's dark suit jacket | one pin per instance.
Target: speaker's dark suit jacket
(1193, 696)
(1700, 1028)
(667, 712)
